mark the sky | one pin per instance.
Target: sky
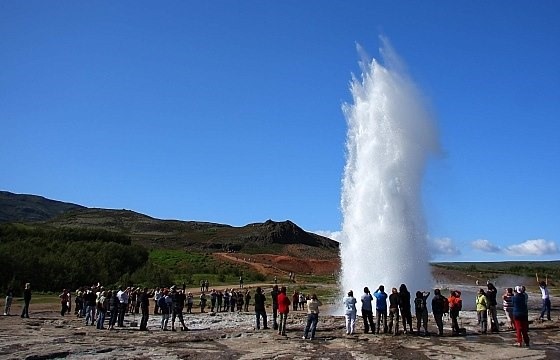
(230, 111)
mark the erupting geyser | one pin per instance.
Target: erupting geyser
(391, 135)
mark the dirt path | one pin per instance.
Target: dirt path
(265, 269)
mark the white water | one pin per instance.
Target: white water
(391, 135)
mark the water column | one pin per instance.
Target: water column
(391, 135)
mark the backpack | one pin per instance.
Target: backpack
(445, 306)
(419, 304)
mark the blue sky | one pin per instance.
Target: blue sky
(230, 111)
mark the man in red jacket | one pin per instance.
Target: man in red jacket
(283, 309)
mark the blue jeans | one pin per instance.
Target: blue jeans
(89, 314)
(100, 318)
(312, 320)
(545, 308)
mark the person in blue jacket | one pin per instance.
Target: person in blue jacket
(381, 308)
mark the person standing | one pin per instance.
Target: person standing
(164, 309)
(381, 308)
(102, 305)
(26, 300)
(274, 294)
(283, 309)
(421, 310)
(507, 299)
(260, 310)
(113, 308)
(123, 305)
(455, 306)
(394, 303)
(438, 309)
(9, 299)
(145, 309)
(350, 312)
(543, 286)
(312, 317)
(64, 300)
(367, 311)
(492, 303)
(481, 311)
(178, 301)
(520, 317)
(406, 310)
(247, 300)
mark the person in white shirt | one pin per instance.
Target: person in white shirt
(350, 312)
(543, 285)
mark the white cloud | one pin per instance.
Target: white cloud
(444, 246)
(334, 235)
(533, 247)
(486, 246)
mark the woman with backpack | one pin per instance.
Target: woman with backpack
(455, 307)
(421, 311)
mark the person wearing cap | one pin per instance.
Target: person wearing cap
(520, 317)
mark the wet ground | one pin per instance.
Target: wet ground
(47, 335)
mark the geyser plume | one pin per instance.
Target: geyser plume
(391, 135)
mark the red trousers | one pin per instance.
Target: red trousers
(521, 331)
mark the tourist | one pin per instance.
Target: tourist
(406, 311)
(367, 311)
(102, 304)
(520, 317)
(394, 303)
(164, 309)
(482, 310)
(213, 298)
(113, 308)
(202, 302)
(123, 296)
(90, 299)
(247, 300)
(295, 300)
(421, 310)
(178, 301)
(64, 299)
(79, 303)
(440, 306)
(350, 312)
(543, 286)
(301, 301)
(226, 301)
(274, 294)
(381, 308)
(455, 306)
(219, 301)
(491, 297)
(508, 307)
(241, 282)
(312, 317)
(26, 300)
(9, 299)
(260, 310)
(157, 294)
(145, 309)
(232, 300)
(240, 301)
(283, 309)
(190, 302)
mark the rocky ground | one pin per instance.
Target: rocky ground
(47, 335)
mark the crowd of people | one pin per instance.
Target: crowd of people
(99, 306)
(396, 308)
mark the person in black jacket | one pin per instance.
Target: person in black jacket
(260, 310)
(438, 309)
(26, 301)
(145, 309)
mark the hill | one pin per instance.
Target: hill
(24, 208)
(268, 237)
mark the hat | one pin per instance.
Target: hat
(518, 289)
